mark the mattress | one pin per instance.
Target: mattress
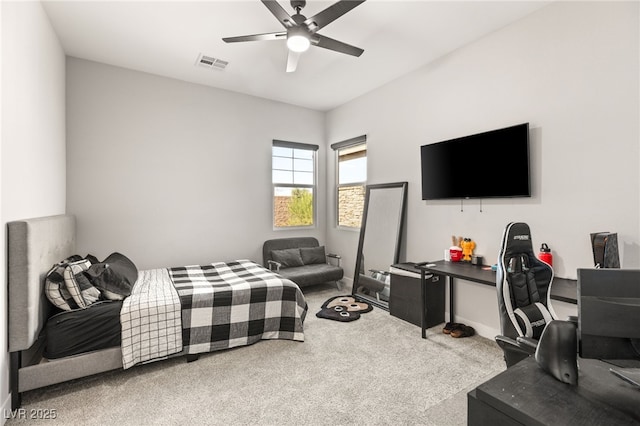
(83, 330)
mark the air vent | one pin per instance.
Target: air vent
(211, 62)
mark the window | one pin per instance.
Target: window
(294, 184)
(351, 180)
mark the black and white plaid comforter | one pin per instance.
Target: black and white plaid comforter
(238, 303)
(150, 319)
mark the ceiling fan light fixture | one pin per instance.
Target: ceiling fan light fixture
(301, 32)
(298, 40)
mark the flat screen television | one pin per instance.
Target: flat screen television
(608, 315)
(492, 164)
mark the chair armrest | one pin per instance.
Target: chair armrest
(527, 342)
(335, 256)
(509, 344)
(274, 266)
(504, 341)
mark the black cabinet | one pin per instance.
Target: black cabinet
(405, 296)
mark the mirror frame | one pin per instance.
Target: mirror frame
(363, 228)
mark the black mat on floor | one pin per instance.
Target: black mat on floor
(343, 308)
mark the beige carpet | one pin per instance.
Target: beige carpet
(376, 370)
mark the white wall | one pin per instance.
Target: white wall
(172, 173)
(571, 71)
(32, 179)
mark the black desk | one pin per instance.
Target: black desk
(526, 395)
(561, 289)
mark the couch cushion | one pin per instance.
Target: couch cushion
(313, 274)
(313, 255)
(286, 243)
(289, 258)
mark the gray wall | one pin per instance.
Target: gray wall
(32, 154)
(571, 70)
(172, 173)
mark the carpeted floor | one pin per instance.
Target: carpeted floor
(376, 370)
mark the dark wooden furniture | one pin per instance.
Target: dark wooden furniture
(525, 395)
(407, 290)
(562, 289)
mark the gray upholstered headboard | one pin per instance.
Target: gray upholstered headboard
(34, 246)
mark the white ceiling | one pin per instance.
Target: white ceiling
(166, 37)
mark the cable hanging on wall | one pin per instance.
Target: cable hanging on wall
(462, 205)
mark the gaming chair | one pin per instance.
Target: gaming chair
(524, 286)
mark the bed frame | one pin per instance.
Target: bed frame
(34, 246)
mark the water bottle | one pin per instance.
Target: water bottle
(545, 254)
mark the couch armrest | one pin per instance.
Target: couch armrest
(334, 256)
(274, 266)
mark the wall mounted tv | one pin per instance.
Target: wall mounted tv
(492, 164)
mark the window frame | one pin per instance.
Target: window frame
(314, 186)
(337, 147)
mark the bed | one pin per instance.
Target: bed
(220, 306)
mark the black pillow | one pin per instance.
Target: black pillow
(288, 257)
(114, 277)
(311, 255)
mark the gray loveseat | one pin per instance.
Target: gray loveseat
(302, 260)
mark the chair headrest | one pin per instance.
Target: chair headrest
(517, 240)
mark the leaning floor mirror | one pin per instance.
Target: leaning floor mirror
(379, 245)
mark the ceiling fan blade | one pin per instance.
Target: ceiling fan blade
(256, 37)
(281, 14)
(330, 14)
(335, 45)
(292, 61)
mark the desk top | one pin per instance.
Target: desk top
(465, 271)
(529, 395)
(562, 289)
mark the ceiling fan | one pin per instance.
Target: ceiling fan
(301, 32)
